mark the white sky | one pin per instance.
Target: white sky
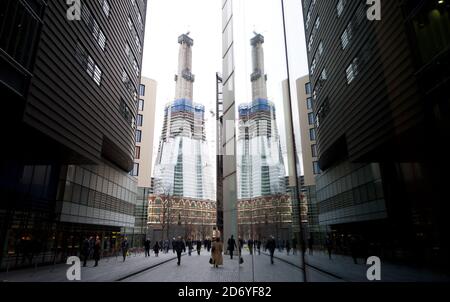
(167, 19)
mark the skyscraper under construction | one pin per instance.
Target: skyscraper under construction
(182, 167)
(264, 207)
(260, 163)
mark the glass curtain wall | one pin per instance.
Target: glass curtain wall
(265, 212)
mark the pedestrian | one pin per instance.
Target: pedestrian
(97, 248)
(208, 244)
(310, 244)
(156, 248)
(147, 247)
(216, 253)
(329, 246)
(125, 246)
(258, 246)
(173, 244)
(199, 247)
(288, 247)
(240, 246)
(231, 246)
(91, 246)
(294, 246)
(178, 246)
(86, 251)
(250, 246)
(271, 245)
(189, 246)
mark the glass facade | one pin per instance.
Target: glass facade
(90, 201)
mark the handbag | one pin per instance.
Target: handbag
(211, 261)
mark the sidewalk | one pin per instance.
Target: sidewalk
(197, 269)
(108, 269)
(343, 267)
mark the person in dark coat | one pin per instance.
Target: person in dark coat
(178, 246)
(173, 244)
(156, 248)
(250, 246)
(329, 246)
(271, 246)
(288, 246)
(231, 246)
(147, 248)
(189, 246)
(85, 251)
(241, 245)
(125, 247)
(258, 246)
(199, 247)
(97, 248)
(294, 246)
(310, 244)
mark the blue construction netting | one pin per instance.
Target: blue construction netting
(186, 105)
(258, 105)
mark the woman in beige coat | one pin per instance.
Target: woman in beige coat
(216, 252)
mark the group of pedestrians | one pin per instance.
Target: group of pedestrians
(91, 247)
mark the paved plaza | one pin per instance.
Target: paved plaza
(195, 268)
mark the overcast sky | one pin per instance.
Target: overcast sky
(167, 19)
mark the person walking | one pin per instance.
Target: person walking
(97, 248)
(216, 253)
(329, 246)
(85, 251)
(173, 244)
(156, 248)
(189, 246)
(250, 246)
(294, 246)
(91, 246)
(147, 248)
(231, 246)
(288, 246)
(258, 246)
(125, 247)
(178, 246)
(241, 245)
(199, 247)
(310, 244)
(208, 244)
(271, 245)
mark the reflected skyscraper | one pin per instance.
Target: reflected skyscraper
(260, 163)
(264, 207)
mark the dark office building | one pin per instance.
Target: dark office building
(381, 103)
(219, 155)
(69, 97)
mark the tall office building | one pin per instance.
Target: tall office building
(219, 154)
(310, 160)
(228, 130)
(263, 200)
(381, 106)
(182, 166)
(145, 123)
(70, 96)
(183, 173)
(260, 166)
